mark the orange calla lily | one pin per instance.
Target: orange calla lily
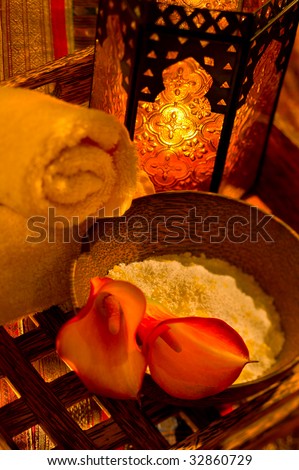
(189, 357)
(192, 357)
(99, 343)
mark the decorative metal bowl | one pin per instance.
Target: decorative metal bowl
(220, 227)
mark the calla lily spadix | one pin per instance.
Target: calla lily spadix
(117, 335)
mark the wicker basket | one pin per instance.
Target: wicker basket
(53, 409)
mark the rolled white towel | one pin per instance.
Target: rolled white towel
(72, 160)
(56, 154)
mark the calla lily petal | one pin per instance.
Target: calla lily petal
(191, 358)
(154, 315)
(99, 343)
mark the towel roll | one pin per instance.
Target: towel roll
(65, 158)
(33, 276)
(55, 154)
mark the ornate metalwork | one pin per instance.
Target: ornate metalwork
(177, 135)
(227, 5)
(110, 95)
(248, 135)
(145, 74)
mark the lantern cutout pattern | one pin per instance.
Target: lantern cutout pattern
(196, 83)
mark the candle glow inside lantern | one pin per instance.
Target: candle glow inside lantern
(196, 83)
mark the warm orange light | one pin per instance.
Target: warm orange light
(212, 4)
(177, 136)
(195, 82)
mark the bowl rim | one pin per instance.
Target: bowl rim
(250, 387)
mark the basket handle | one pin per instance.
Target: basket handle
(70, 75)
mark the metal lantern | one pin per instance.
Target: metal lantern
(196, 83)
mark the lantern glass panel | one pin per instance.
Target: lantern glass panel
(251, 123)
(196, 82)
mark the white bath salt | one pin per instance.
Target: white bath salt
(198, 286)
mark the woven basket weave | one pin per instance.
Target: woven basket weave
(53, 409)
